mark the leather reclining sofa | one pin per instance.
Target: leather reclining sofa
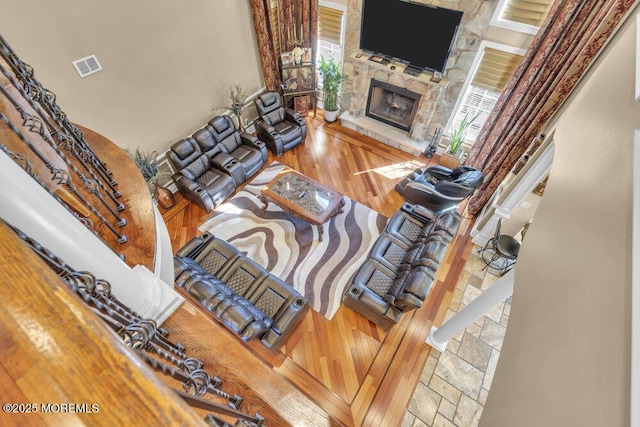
(238, 292)
(214, 161)
(397, 275)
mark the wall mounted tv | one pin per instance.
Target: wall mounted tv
(414, 33)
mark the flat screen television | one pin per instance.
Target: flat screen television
(414, 33)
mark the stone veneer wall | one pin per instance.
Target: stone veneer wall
(363, 70)
(436, 107)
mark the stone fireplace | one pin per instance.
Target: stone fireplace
(389, 105)
(392, 105)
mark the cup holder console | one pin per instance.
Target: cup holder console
(236, 171)
(231, 164)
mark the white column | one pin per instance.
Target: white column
(511, 196)
(27, 206)
(485, 302)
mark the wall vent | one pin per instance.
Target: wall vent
(87, 65)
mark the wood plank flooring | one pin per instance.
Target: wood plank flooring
(359, 374)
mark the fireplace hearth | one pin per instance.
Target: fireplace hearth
(392, 124)
(393, 105)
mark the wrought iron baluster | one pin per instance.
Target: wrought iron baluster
(256, 420)
(47, 99)
(36, 126)
(24, 163)
(61, 177)
(144, 337)
(82, 154)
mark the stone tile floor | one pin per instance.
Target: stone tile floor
(454, 385)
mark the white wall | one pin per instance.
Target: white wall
(166, 64)
(566, 355)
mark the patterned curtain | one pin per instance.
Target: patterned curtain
(571, 37)
(264, 35)
(298, 24)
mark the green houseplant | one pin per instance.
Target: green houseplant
(332, 78)
(451, 156)
(147, 163)
(238, 98)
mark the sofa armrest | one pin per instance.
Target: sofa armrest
(184, 183)
(286, 318)
(253, 141)
(264, 127)
(291, 114)
(367, 297)
(247, 138)
(284, 325)
(189, 247)
(193, 191)
(271, 137)
(284, 304)
(369, 304)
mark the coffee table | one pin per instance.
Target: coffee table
(304, 198)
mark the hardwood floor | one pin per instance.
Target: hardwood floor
(359, 374)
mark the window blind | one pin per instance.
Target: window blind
(530, 12)
(477, 101)
(329, 24)
(275, 26)
(495, 69)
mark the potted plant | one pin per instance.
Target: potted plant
(238, 98)
(332, 78)
(451, 157)
(148, 166)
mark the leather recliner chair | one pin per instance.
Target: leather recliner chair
(196, 178)
(439, 188)
(280, 128)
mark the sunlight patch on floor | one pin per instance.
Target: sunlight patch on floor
(229, 208)
(397, 170)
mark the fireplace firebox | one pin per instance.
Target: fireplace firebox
(393, 105)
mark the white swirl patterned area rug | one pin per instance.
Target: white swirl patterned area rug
(289, 248)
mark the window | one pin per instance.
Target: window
(490, 72)
(476, 101)
(330, 30)
(275, 26)
(525, 16)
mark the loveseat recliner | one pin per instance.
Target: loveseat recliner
(196, 178)
(397, 275)
(238, 292)
(279, 127)
(438, 188)
(214, 161)
(221, 136)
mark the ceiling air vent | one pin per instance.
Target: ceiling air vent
(88, 65)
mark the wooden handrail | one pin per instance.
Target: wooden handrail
(140, 229)
(57, 352)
